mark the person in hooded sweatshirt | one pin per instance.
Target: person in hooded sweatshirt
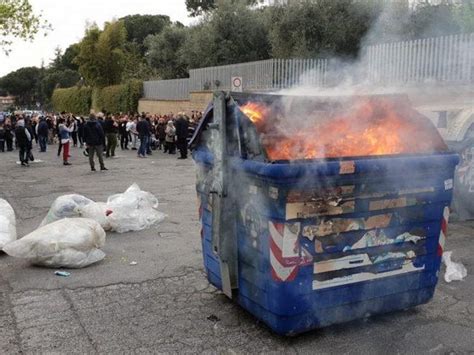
(23, 139)
(94, 138)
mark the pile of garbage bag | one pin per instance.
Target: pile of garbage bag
(133, 210)
(65, 207)
(97, 211)
(7, 223)
(69, 242)
(73, 232)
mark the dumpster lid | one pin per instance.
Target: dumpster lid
(206, 118)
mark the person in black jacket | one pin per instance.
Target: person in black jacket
(8, 135)
(100, 119)
(42, 132)
(31, 131)
(80, 130)
(2, 138)
(144, 132)
(150, 132)
(73, 121)
(23, 139)
(111, 129)
(94, 139)
(161, 133)
(33, 124)
(123, 133)
(182, 126)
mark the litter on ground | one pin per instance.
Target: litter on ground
(454, 271)
(62, 273)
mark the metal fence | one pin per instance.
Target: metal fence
(262, 75)
(294, 72)
(256, 75)
(440, 59)
(175, 89)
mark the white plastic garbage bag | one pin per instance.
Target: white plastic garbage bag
(7, 223)
(98, 211)
(65, 207)
(133, 210)
(69, 242)
(454, 271)
(133, 198)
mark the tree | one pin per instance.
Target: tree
(52, 79)
(398, 22)
(433, 20)
(101, 57)
(110, 51)
(24, 84)
(87, 60)
(319, 28)
(67, 59)
(464, 14)
(164, 52)
(232, 33)
(17, 20)
(198, 7)
(140, 27)
(63, 61)
(136, 66)
(56, 62)
(392, 21)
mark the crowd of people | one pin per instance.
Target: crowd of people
(98, 134)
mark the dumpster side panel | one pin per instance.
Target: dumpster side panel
(333, 248)
(203, 187)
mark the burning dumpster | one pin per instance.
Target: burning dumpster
(318, 211)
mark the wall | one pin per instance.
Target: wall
(198, 102)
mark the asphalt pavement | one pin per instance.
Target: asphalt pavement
(164, 304)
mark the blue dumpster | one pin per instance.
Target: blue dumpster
(308, 243)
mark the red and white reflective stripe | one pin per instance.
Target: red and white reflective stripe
(283, 268)
(280, 270)
(444, 230)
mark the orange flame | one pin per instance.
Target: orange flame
(366, 128)
(255, 112)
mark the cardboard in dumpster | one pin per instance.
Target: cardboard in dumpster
(336, 226)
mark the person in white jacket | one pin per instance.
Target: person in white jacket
(132, 129)
(65, 137)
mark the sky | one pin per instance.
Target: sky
(69, 18)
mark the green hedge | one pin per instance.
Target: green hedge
(75, 99)
(115, 98)
(118, 98)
